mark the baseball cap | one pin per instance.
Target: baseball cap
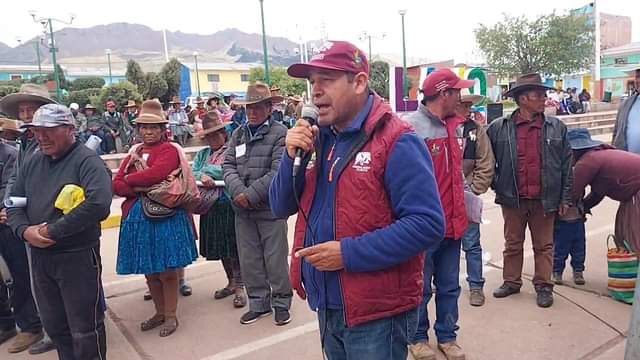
(51, 115)
(333, 55)
(444, 79)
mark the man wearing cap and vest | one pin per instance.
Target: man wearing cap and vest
(61, 224)
(251, 161)
(22, 106)
(478, 166)
(532, 183)
(369, 209)
(436, 122)
(626, 133)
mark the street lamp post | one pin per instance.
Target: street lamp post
(108, 52)
(195, 57)
(264, 46)
(367, 36)
(404, 56)
(37, 46)
(48, 23)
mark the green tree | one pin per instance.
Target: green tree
(8, 89)
(120, 93)
(83, 97)
(156, 86)
(64, 84)
(279, 78)
(550, 44)
(135, 75)
(171, 72)
(92, 82)
(379, 79)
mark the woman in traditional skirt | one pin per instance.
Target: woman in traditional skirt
(154, 247)
(217, 225)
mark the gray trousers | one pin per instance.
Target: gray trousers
(263, 250)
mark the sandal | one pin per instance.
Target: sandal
(239, 300)
(152, 323)
(223, 293)
(169, 327)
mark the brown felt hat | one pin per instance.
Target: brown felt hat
(257, 93)
(28, 93)
(212, 123)
(527, 82)
(151, 113)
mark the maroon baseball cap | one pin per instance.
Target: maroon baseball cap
(333, 55)
(443, 79)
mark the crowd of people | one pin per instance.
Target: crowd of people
(569, 102)
(369, 275)
(116, 127)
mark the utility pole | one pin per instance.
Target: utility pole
(264, 46)
(404, 58)
(47, 23)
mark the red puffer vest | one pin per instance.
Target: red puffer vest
(445, 143)
(362, 206)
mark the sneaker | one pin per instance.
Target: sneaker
(42, 346)
(476, 297)
(252, 316)
(452, 351)
(544, 297)
(422, 351)
(505, 290)
(23, 340)
(282, 316)
(5, 335)
(147, 296)
(557, 278)
(578, 278)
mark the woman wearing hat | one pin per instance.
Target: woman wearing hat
(217, 226)
(158, 247)
(608, 172)
(179, 122)
(130, 113)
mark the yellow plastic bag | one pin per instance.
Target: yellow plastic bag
(69, 198)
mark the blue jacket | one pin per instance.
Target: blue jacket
(408, 156)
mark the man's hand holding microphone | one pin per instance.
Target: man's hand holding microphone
(326, 256)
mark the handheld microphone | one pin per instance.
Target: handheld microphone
(310, 114)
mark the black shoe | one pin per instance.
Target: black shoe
(504, 291)
(282, 316)
(185, 289)
(7, 334)
(42, 346)
(147, 296)
(544, 297)
(578, 278)
(251, 316)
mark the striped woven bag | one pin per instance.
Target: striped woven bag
(623, 270)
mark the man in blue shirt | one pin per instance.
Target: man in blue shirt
(369, 208)
(626, 133)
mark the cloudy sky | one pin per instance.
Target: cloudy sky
(435, 29)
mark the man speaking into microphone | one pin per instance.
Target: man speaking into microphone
(368, 210)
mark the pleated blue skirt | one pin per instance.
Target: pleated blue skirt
(147, 247)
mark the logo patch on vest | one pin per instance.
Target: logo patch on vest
(435, 149)
(362, 161)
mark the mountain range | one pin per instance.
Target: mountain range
(87, 47)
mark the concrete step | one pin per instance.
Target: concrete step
(591, 123)
(588, 116)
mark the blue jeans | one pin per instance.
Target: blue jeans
(569, 238)
(384, 339)
(473, 254)
(443, 267)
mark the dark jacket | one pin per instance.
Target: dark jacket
(556, 162)
(620, 129)
(26, 147)
(252, 170)
(41, 178)
(8, 155)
